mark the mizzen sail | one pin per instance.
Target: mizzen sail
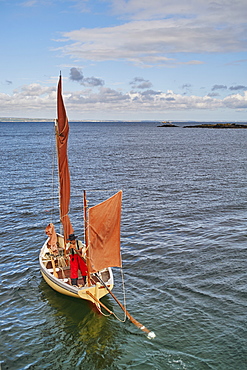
(104, 234)
(62, 134)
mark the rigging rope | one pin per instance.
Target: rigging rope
(125, 315)
(52, 152)
(124, 295)
(53, 177)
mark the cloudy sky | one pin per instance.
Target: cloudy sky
(125, 59)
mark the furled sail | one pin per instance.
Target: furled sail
(52, 242)
(104, 234)
(62, 134)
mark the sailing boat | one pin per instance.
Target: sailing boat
(101, 251)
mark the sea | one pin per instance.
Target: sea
(183, 243)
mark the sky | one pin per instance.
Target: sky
(125, 59)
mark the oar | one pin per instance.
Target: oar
(150, 334)
(54, 268)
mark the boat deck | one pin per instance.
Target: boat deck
(63, 270)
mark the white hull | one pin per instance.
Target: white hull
(62, 284)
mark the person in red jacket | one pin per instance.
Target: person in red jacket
(76, 261)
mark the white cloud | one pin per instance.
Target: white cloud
(221, 11)
(36, 98)
(160, 28)
(34, 90)
(30, 98)
(29, 3)
(236, 101)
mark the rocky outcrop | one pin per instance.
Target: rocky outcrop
(218, 125)
(167, 125)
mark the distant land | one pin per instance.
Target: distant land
(160, 123)
(209, 125)
(14, 119)
(218, 125)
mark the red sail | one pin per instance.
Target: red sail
(63, 166)
(104, 234)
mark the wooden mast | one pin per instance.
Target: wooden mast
(62, 134)
(86, 236)
(60, 213)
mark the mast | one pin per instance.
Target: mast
(62, 134)
(86, 236)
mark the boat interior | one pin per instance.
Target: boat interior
(58, 264)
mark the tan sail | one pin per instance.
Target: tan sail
(62, 133)
(104, 234)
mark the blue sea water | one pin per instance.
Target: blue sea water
(183, 247)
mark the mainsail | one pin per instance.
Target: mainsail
(62, 133)
(104, 234)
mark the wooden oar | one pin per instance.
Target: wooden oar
(54, 268)
(150, 334)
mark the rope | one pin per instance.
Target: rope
(53, 155)
(119, 318)
(102, 313)
(106, 308)
(125, 315)
(53, 182)
(150, 334)
(124, 295)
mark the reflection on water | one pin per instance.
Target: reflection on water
(77, 324)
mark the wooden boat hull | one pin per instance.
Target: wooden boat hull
(62, 284)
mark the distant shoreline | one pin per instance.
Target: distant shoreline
(181, 124)
(210, 125)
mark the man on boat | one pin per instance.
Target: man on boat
(77, 261)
